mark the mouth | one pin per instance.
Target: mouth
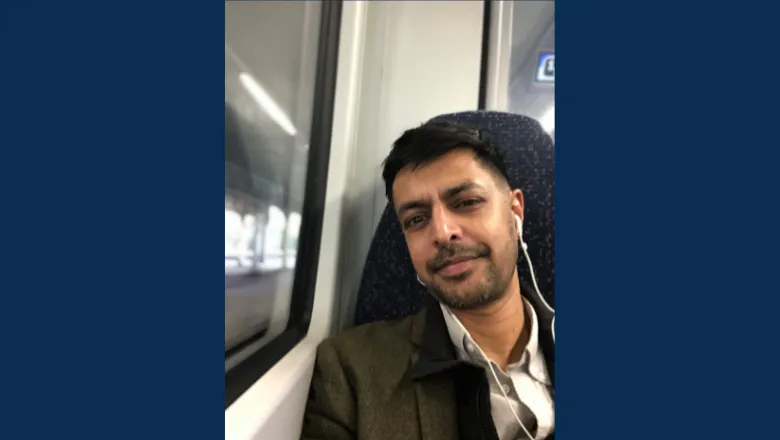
(456, 266)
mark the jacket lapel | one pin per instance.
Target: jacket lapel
(437, 420)
(435, 392)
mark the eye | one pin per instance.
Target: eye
(411, 221)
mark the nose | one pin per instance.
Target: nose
(444, 227)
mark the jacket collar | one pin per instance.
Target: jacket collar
(436, 353)
(429, 332)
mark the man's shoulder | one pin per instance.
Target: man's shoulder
(374, 340)
(388, 331)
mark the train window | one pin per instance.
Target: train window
(522, 46)
(279, 80)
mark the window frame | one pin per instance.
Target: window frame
(239, 378)
(484, 65)
(495, 69)
(496, 55)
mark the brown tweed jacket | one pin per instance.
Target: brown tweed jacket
(401, 380)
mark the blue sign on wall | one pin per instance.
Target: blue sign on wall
(545, 71)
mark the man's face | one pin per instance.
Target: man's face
(458, 221)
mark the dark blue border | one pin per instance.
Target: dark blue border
(112, 179)
(666, 221)
(112, 158)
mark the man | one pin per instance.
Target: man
(477, 362)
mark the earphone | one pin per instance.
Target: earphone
(519, 225)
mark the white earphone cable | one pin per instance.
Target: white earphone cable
(533, 277)
(509, 404)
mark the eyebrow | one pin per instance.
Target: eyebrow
(447, 193)
(457, 189)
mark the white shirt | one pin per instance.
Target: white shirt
(526, 382)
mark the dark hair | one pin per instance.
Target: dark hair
(434, 139)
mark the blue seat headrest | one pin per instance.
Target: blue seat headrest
(389, 288)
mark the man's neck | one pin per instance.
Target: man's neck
(499, 329)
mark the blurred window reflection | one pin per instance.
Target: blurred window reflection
(270, 64)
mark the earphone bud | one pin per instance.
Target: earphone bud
(519, 224)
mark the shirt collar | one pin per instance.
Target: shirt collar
(461, 339)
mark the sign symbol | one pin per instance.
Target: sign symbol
(549, 67)
(545, 71)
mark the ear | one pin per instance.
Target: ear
(517, 203)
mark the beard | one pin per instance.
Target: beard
(485, 292)
(480, 293)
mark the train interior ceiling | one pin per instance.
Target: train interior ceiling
(315, 94)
